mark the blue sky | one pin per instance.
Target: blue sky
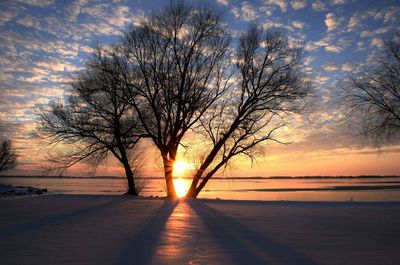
(43, 42)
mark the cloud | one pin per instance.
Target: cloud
(377, 42)
(388, 14)
(365, 33)
(57, 65)
(298, 24)
(327, 42)
(74, 9)
(268, 24)
(311, 46)
(346, 67)
(223, 2)
(333, 48)
(392, 15)
(298, 4)
(6, 15)
(338, 2)
(329, 67)
(360, 46)
(279, 3)
(29, 21)
(40, 3)
(318, 6)
(321, 79)
(354, 22)
(246, 13)
(331, 22)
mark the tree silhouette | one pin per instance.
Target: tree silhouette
(177, 72)
(178, 60)
(8, 157)
(374, 96)
(269, 87)
(96, 118)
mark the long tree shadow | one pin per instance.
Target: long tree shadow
(140, 249)
(18, 229)
(244, 244)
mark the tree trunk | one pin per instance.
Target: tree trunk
(131, 181)
(192, 190)
(128, 173)
(168, 163)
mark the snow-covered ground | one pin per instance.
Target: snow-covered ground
(73, 229)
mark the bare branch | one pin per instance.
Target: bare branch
(8, 157)
(373, 97)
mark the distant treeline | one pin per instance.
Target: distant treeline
(233, 178)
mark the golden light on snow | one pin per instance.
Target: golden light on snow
(181, 187)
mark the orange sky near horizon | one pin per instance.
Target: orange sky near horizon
(287, 162)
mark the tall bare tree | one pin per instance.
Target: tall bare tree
(374, 96)
(8, 157)
(178, 60)
(96, 118)
(270, 86)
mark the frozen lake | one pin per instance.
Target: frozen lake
(290, 189)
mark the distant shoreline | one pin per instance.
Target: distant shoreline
(232, 178)
(333, 188)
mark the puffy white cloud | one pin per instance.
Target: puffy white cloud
(333, 48)
(354, 22)
(360, 46)
(321, 79)
(377, 42)
(58, 65)
(298, 24)
(223, 2)
(365, 33)
(279, 3)
(6, 15)
(378, 31)
(298, 4)
(30, 21)
(338, 2)
(346, 67)
(388, 14)
(41, 3)
(318, 6)
(331, 22)
(329, 67)
(275, 24)
(75, 8)
(246, 13)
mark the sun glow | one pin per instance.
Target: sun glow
(181, 187)
(180, 168)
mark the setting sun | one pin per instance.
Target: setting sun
(180, 168)
(181, 187)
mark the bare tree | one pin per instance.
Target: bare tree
(178, 60)
(8, 157)
(96, 119)
(374, 96)
(269, 88)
